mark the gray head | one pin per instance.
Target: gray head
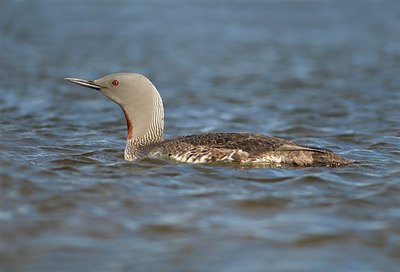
(125, 89)
(138, 98)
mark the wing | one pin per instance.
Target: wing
(249, 142)
(243, 147)
(226, 146)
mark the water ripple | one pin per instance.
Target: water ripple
(69, 202)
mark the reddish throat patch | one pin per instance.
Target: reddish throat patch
(128, 125)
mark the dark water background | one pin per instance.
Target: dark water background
(323, 73)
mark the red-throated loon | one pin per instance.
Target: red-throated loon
(144, 113)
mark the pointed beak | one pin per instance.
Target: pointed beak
(84, 82)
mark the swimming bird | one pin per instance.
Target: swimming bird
(144, 112)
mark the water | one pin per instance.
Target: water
(323, 73)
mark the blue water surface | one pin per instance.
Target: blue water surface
(321, 73)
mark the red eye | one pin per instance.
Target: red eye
(115, 82)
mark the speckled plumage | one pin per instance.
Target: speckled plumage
(144, 113)
(243, 148)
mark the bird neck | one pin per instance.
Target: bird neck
(145, 124)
